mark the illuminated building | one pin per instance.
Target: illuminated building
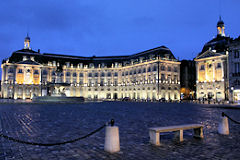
(212, 67)
(234, 70)
(152, 74)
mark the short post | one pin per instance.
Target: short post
(112, 142)
(223, 127)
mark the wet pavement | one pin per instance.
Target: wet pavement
(51, 123)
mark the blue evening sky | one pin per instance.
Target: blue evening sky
(114, 27)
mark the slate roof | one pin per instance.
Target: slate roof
(17, 57)
(28, 62)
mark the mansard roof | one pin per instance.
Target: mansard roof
(219, 43)
(161, 52)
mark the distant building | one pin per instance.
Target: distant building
(212, 67)
(188, 79)
(234, 70)
(152, 74)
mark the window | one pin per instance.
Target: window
(81, 75)
(115, 74)
(126, 73)
(149, 69)
(175, 69)
(20, 71)
(44, 72)
(109, 74)
(219, 65)
(139, 71)
(74, 74)
(144, 70)
(122, 73)
(35, 72)
(202, 67)
(169, 68)
(68, 74)
(102, 74)
(10, 70)
(162, 77)
(210, 66)
(237, 67)
(134, 72)
(96, 75)
(236, 54)
(155, 68)
(163, 68)
(53, 73)
(89, 74)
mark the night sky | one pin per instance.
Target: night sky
(114, 27)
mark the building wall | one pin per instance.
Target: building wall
(234, 71)
(151, 79)
(212, 77)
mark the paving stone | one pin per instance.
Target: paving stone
(51, 123)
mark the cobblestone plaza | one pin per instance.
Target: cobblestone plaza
(50, 123)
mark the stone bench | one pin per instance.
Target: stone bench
(154, 132)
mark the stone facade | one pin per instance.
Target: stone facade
(149, 75)
(212, 67)
(234, 70)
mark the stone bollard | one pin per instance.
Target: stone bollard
(223, 126)
(112, 143)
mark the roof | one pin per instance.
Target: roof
(28, 62)
(44, 58)
(219, 43)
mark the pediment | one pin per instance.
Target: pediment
(208, 54)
